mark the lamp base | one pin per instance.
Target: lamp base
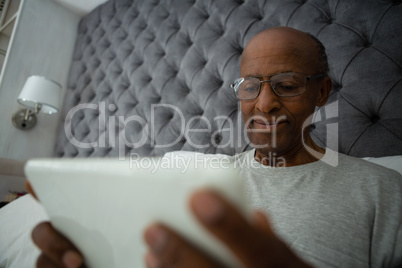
(24, 119)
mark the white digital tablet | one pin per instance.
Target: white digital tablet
(103, 205)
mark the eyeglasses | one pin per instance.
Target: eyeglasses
(283, 85)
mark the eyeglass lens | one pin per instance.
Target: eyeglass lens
(286, 84)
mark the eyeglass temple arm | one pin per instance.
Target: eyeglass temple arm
(315, 76)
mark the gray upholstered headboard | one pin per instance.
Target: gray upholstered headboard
(181, 55)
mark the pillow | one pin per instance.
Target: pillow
(392, 162)
(17, 220)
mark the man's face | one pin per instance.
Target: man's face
(274, 124)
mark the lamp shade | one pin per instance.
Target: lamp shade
(43, 91)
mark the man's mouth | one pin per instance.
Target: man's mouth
(266, 125)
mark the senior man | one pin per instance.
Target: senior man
(322, 215)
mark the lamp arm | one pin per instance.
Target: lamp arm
(27, 114)
(37, 108)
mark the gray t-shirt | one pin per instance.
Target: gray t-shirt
(344, 216)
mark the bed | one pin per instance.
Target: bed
(152, 76)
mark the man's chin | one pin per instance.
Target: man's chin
(274, 147)
(263, 140)
(270, 155)
(264, 147)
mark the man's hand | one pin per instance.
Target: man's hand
(254, 244)
(57, 250)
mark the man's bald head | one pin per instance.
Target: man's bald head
(280, 58)
(296, 44)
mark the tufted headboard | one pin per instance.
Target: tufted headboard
(152, 76)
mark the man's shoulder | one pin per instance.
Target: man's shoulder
(360, 170)
(345, 165)
(365, 165)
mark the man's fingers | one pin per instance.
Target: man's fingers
(45, 262)
(261, 222)
(56, 247)
(168, 249)
(151, 260)
(222, 220)
(255, 246)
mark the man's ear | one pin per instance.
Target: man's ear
(323, 91)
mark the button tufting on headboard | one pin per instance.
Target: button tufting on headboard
(158, 73)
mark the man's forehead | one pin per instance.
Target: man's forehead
(277, 46)
(280, 38)
(259, 63)
(281, 53)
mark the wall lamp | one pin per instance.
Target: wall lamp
(38, 94)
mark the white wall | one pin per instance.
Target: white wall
(42, 44)
(81, 6)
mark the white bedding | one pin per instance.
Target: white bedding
(18, 218)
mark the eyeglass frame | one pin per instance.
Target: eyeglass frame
(308, 78)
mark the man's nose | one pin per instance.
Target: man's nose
(267, 101)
